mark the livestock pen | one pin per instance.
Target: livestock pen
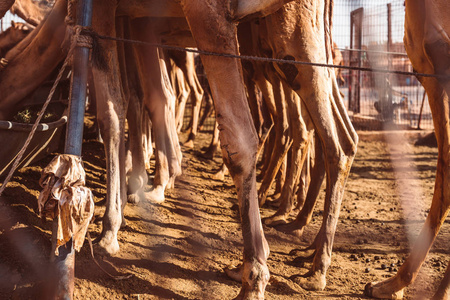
(178, 249)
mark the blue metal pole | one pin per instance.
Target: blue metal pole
(74, 134)
(64, 262)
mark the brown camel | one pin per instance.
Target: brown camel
(238, 142)
(299, 38)
(427, 43)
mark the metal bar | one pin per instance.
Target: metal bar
(64, 263)
(389, 58)
(374, 51)
(74, 134)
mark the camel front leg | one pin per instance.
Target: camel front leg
(111, 111)
(214, 32)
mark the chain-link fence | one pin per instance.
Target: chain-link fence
(370, 34)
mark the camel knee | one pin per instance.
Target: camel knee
(239, 153)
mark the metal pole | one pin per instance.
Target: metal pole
(74, 134)
(388, 49)
(65, 262)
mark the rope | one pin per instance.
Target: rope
(43, 109)
(261, 59)
(115, 277)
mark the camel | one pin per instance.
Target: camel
(213, 26)
(290, 37)
(427, 30)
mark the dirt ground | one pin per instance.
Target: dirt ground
(178, 249)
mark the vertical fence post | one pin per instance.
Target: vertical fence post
(65, 261)
(356, 18)
(390, 84)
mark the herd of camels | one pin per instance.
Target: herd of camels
(309, 119)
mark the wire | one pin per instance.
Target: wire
(263, 59)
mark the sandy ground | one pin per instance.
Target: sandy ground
(178, 249)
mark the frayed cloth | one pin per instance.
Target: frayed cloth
(64, 196)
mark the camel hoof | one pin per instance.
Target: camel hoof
(133, 199)
(379, 290)
(107, 246)
(220, 176)
(255, 277)
(156, 194)
(292, 228)
(275, 220)
(209, 153)
(314, 282)
(234, 272)
(189, 144)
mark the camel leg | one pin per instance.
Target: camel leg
(111, 116)
(214, 145)
(158, 98)
(301, 139)
(136, 175)
(196, 96)
(314, 85)
(282, 141)
(183, 96)
(213, 32)
(207, 111)
(443, 291)
(317, 176)
(440, 206)
(428, 52)
(135, 166)
(305, 177)
(338, 159)
(146, 130)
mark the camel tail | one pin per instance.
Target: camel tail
(328, 23)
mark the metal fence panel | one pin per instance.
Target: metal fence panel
(370, 34)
